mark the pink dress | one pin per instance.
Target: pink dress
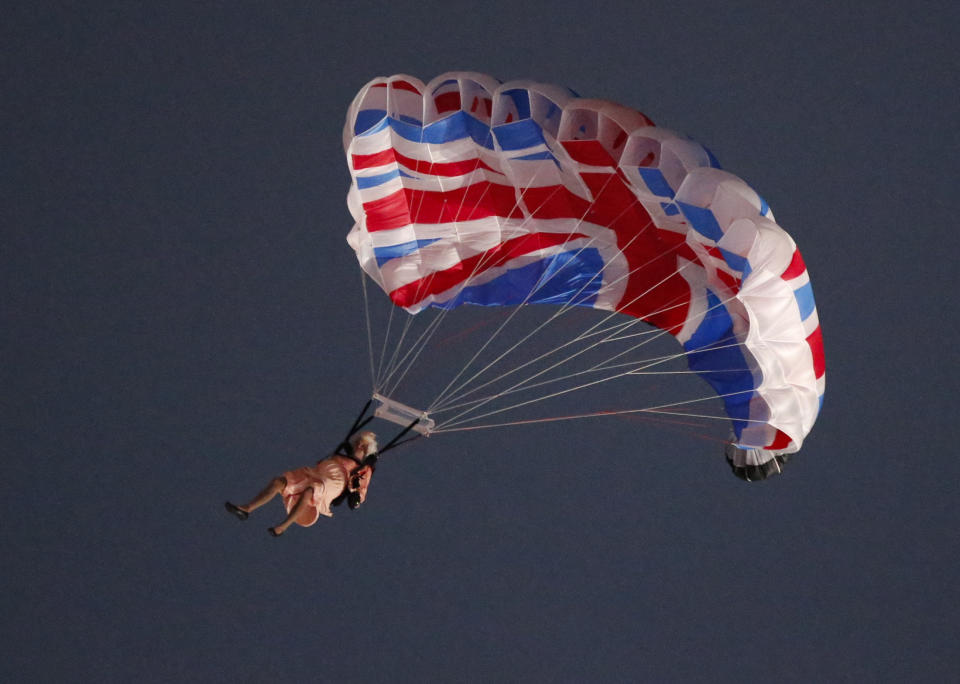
(322, 483)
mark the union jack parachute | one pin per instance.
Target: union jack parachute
(468, 191)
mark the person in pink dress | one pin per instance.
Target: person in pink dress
(310, 491)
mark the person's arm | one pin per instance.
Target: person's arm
(362, 478)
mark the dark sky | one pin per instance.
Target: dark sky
(182, 320)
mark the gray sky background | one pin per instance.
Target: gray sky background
(177, 311)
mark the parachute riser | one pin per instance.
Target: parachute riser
(395, 412)
(360, 422)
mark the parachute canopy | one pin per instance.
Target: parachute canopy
(469, 191)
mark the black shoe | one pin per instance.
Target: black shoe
(273, 532)
(242, 515)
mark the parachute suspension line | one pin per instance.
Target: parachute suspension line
(387, 372)
(425, 283)
(423, 341)
(521, 387)
(434, 323)
(642, 333)
(599, 414)
(366, 310)
(509, 318)
(394, 365)
(566, 306)
(383, 349)
(540, 283)
(615, 337)
(498, 330)
(648, 339)
(563, 309)
(392, 368)
(384, 373)
(637, 368)
(457, 418)
(446, 310)
(662, 418)
(576, 339)
(549, 368)
(451, 424)
(418, 347)
(601, 366)
(603, 331)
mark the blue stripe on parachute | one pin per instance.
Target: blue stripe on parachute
(562, 276)
(734, 261)
(764, 207)
(521, 100)
(655, 181)
(364, 182)
(519, 134)
(385, 254)
(702, 220)
(724, 369)
(805, 301)
(367, 120)
(457, 126)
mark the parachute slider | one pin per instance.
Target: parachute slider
(401, 414)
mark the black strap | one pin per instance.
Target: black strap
(344, 448)
(395, 442)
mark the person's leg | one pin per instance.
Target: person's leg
(303, 503)
(271, 490)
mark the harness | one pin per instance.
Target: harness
(344, 449)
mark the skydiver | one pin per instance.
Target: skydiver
(309, 492)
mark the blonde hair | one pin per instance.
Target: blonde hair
(368, 439)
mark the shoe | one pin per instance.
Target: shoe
(242, 515)
(273, 532)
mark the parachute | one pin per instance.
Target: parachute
(468, 191)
